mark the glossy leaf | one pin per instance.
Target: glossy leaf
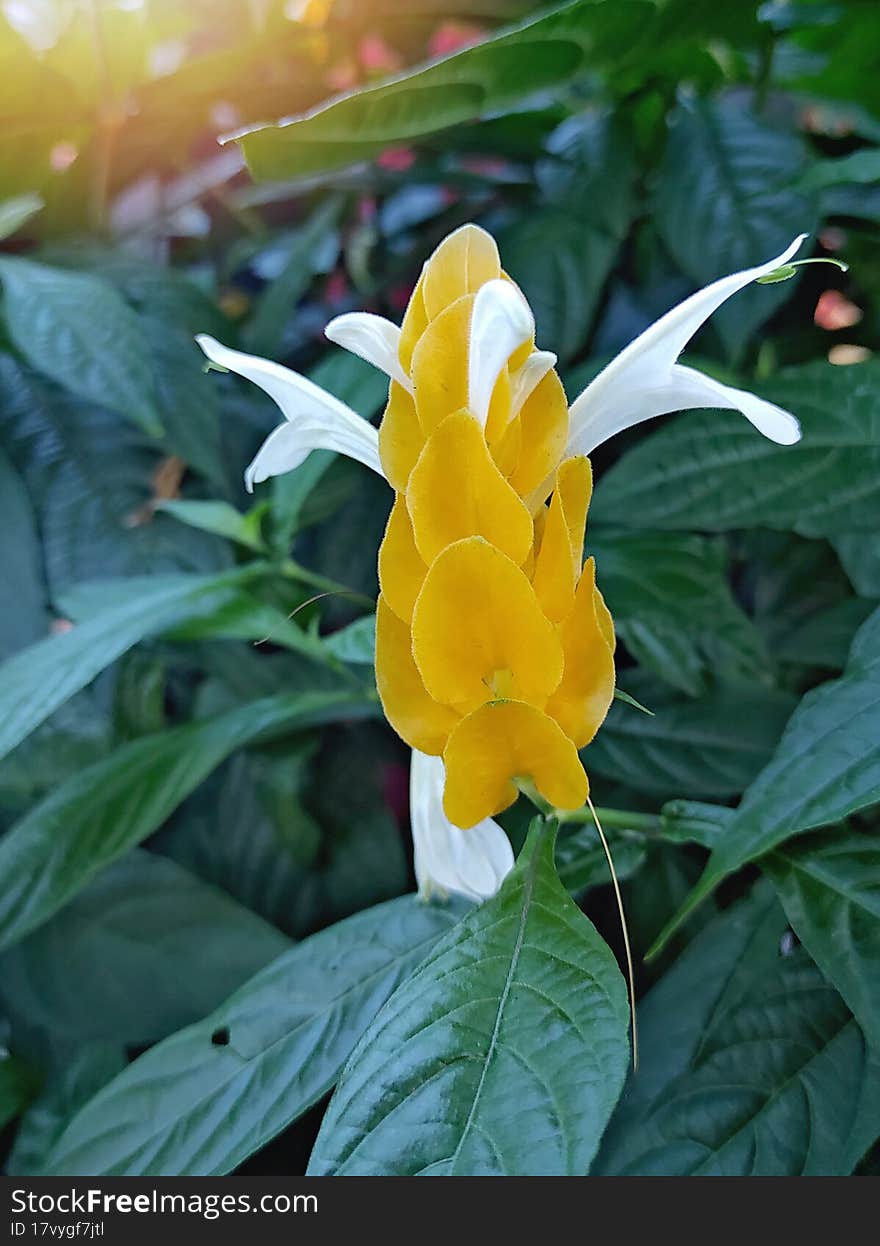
(502, 1055)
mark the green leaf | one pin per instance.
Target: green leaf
(101, 356)
(581, 862)
(829, 885)
(858, 168)
(824, 638)
(503, 1054)
(144, 920)
(826, 767)
(39, 679)
(752, 1065)
(22, 565)
(709, 747)
(204, 1099)
(16, 212)
(97, 815)
(220, 518)
(859, 552)
(673, 608)
(713, 471)
(725, 202)
(497, 73)
(355, 643)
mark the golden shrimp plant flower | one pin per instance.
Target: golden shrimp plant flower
(494, 646)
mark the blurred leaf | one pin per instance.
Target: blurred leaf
(860, 554)
(101, 812)
(859, 167)
(581, 862)
(221, 518)
(37, 680)
(355, 643)
(80, 1071)
(752, 1065)
(725, 202)
(713, 471)
(203, 1100)
(824, 639)
(25, 619)
(544, 52)
(16, 212)
(710, 747)
(101, 357)
(517, 1019)
(829, 885)
(826, 767)
(144, 921)
(18, 1084)
(673, 608)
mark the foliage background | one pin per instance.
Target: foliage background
(193, 781)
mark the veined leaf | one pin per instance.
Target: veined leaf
(204, 1099)
(752, 1064)
(829, 885)
(543, 52)
(502, 1055)
(104, 810)
(712, 470)
(725, 202)
(101, 356)
(827, 766)
(26, 620)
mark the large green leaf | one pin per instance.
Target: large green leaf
(502, 1055)
(859, 552)
(829, 885)
(709, 747)
(713, 471)
(725, 202)
(39, 679)
(101, 356)
(752, 1064)
(101, 812)
(673, 608)
(146, 922)
(18, 1083)
(544, 52)
(203, 1100)
(827, 766)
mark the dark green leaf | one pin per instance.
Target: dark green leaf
(103, 356)
(713, 471)
(26, 620)
(146, 922)
(826, 767)
(829, 885)
(502, 1055)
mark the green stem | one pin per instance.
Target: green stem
(614, 819)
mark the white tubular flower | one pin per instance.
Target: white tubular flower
(645, 380)
(315, 419)
(372, 338)
(473, 863)
(500, 323)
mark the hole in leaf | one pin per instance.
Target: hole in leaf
(220, 1038)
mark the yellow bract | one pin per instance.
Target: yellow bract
(493, 648)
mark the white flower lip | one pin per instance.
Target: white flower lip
(372, 338)
(315, 419)
(501, 322)
(645, 380)
(472, 863)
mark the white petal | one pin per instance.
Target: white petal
(473, 863)
(317, 420)
(639, 384)
(372, 338)
(501, 321)
(526, 379)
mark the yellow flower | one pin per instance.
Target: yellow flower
(494, 647)
(489, 649)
